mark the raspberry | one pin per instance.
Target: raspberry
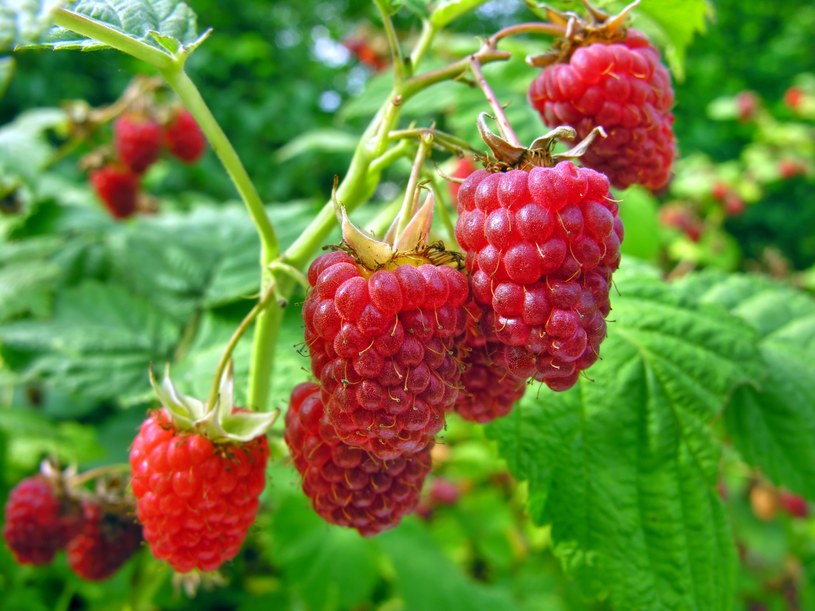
(346, 485)
(104, 545)
(794, 505)
(541, 247)
(381, 345)
(489, 388)
(195, 499)
(184, 138)
(137, 141)
(623, 87)
(118, 189)
(39, 522)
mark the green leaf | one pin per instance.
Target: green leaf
(448, 11)
(323, 140)
(427, 579)
(772, 424)
(679, 20)
(624, 465)
(328, 566)
(24, 20)
(420, 8)
(152, 22)
(24, 149)
(31, 437)
(27, 277)
(98, 345)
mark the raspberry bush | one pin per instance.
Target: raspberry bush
(417, 364)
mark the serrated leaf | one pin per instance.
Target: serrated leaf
(417, 559)
(772, 424)
(140, 20)
(624, 465)
(99, 343)
(331, 568)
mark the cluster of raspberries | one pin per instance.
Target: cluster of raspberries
(138, 141)
(395, 349)
(41, 520)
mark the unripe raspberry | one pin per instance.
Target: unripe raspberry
(347, 486)
(183, 137)
(39, 521)
(623, 87)
(137, 141)
(195, 499)
(381, 345)
(107, 541)
(544, 270)
(118, 188)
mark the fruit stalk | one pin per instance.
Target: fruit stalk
(500, 116)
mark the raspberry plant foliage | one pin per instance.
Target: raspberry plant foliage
(617, 466)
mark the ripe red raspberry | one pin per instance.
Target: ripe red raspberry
(489, 388)
(137, 141)
(104, 545)
(184, 138)
(346, 485)
(381, 344)
(623, 87)
(39, 521)
(541, 247)
(118, 189)
(195, 499)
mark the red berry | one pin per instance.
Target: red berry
(747, 104)
(104, 545)
(118, 189)
(464, 168)
(719, 190)
(381, 345)
(794, 97)
(347, 486)
(793, 504)
(623, 87)
(183, 137)
(195, 499)
(733, 204)
(137, 141)
(489, 389)
(39, 522)
(543, 277)
(788, 168)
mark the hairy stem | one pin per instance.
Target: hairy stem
(500, 116)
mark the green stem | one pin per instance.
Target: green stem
(449, 72)
(113, 38)
(549, 29)
(189, 95)
(500, 116)
(393, 43)
(422, 44)
(233, 342)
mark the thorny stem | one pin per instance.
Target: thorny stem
(500, 116)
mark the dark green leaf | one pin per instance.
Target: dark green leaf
(99, 343)
(680, 20)
(624, 465)
(329, 567)
(426, 579)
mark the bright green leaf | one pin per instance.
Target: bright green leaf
(449, 10)
(624, 465)
(140, 20)
(679, 20)
(772, 423)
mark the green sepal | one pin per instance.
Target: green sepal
(219, 422)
